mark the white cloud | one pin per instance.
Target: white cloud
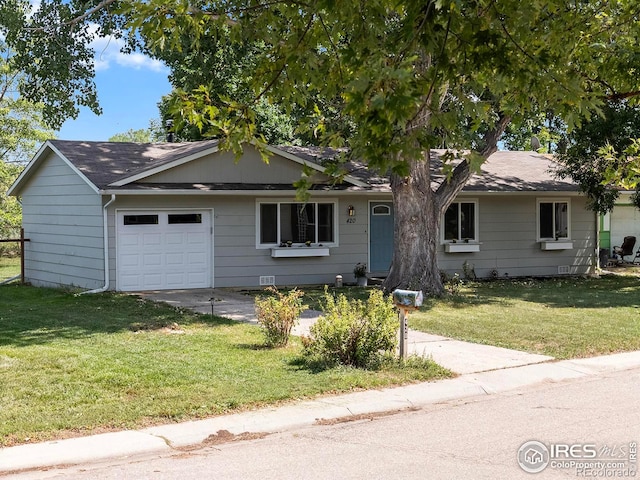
(108, 53)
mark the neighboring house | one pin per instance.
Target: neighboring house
(125, 216)
(622, 221)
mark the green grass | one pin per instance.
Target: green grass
(9, 267)
(564, 318)
(73, 365)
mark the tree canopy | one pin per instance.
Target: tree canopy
(52, 45)
(22, 129)
(407, 76)
(155, 133)
(10, 211)
(410, 76)
(600, 153)
(221, 65)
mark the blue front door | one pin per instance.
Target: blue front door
(380, 236)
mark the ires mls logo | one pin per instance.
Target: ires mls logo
(533, 456)
(585, 458)
(575, 451)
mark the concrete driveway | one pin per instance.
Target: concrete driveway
(223, 303)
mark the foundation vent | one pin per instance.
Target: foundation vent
(267, 280)
(564, 269)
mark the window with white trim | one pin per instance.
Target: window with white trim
(298, 223)
(460, 222)
(553, 219)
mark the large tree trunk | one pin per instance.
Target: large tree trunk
(418, 210)
(416, 230)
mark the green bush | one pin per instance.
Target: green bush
(353, 332)
(278, 313)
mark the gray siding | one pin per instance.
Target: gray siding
(236, 260)
(222, 167)
(507, 233)
(62, 216)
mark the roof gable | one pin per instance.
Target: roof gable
(115, 165)
(42, 154)
(105, 163)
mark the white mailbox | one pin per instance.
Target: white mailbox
(407, 299)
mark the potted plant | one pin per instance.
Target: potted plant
(360, 272)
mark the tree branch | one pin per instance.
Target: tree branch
(78, 19)
(623, 95)
(284, 63)
(448, 190)
(523, 51)
(335, 47)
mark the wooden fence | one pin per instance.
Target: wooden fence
(20, 240)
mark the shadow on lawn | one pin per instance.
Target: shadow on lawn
(30, 315)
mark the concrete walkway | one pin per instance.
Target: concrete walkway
(490, 370)
(460, 357)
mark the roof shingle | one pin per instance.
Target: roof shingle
(106, 162)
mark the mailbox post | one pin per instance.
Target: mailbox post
(406, 301)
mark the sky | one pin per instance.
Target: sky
(129, 90)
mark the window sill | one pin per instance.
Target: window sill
(461, 247)
(556, 244)
(293, 252)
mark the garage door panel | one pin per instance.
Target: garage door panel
(129, 282)
(174, 238)
(129, 260)
(174, 259)
(151, 239)
(196, 278)
(151, 260)
(196, 238)
(129, 240)
(162, 256)
(152, 281)
(196, 262)
(175, 280)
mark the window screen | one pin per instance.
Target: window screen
(141, 219)
(185, 218)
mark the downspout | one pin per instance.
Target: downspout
(105, 234)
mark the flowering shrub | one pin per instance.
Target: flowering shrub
(353, 332)
(278, 313)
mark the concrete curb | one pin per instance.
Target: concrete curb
(74, 451)
(163, 439)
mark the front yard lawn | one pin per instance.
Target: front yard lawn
(73, 365)
(562, 317)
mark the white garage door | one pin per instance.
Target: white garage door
(163, 250)
(625, 220)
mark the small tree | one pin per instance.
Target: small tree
(603, 154)
(278, 313)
